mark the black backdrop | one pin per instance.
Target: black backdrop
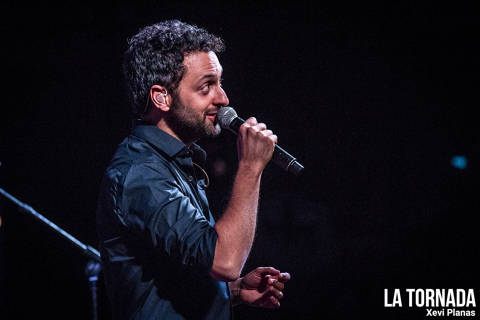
(373, 100)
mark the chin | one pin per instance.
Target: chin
(213, 131)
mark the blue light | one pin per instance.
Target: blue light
(459, 162)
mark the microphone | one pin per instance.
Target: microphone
(228, 119)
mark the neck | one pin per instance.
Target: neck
(165, 127)
(161, 123)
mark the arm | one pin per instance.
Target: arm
(236, 227)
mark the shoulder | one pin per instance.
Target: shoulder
(137, 158)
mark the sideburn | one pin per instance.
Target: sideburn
(182, 122)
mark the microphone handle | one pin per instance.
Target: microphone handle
(235, 124)
(280, 157)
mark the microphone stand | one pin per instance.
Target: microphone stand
(93, 266)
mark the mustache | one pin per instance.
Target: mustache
(212, 110)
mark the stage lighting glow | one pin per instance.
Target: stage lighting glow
(459, 162)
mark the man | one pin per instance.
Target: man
(163, 255)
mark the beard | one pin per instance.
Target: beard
(188, 124)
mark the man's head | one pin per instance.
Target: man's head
(166, 67)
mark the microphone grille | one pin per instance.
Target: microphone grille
(225, 116)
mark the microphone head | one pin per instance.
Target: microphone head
(225, 116)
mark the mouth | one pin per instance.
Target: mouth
(211, 116)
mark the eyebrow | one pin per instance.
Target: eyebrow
(208, 76)
(211, 75)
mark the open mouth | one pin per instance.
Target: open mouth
(211, 116)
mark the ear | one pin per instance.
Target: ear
(160, 98)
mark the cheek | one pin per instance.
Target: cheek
(197, 101)
(201, 104)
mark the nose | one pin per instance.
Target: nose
(221, 99)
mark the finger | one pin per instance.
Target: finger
(274, 302)
(275, 284)
(252, 121)
(260, 126)
(277, 293)
(271, 279)
(284, 277)
(243, 128)
(279, 285)
(269, 302)
(266, 133)
(268, 270)
(274, 138)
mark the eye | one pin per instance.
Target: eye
(205, 88)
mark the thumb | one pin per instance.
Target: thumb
(267, 271)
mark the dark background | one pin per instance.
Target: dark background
(373, 100)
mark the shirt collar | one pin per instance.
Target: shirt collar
(168, 144)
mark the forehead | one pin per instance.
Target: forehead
(200, 64)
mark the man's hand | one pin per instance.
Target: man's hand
(261, 287)
(255, 145)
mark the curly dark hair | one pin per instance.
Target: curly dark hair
(155, 56)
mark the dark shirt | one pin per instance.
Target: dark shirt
(156, 233)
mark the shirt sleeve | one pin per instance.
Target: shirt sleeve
(155, 209)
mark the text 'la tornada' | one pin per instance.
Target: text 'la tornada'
(430, 298)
